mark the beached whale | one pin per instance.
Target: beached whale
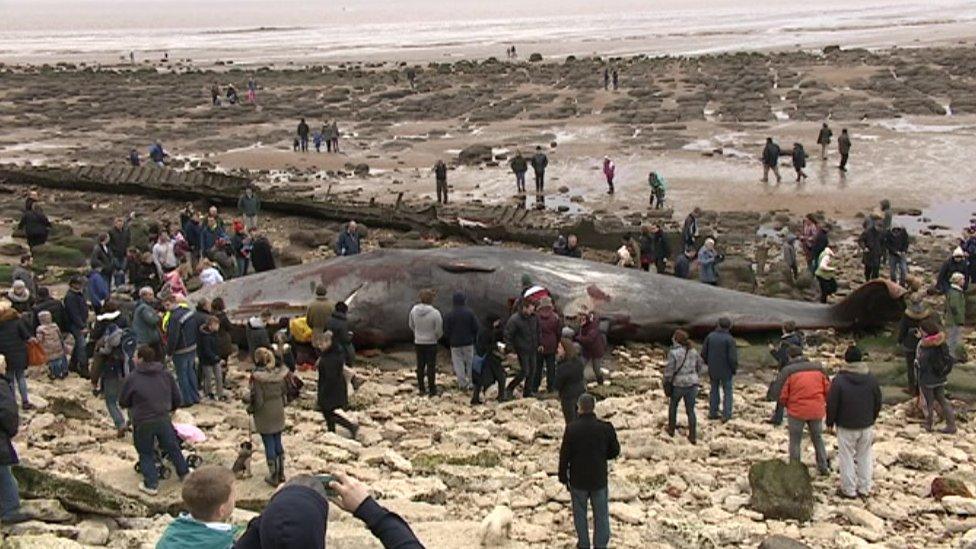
(380, 288)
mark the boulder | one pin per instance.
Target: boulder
(959, 505)
(69, 407)
(947, 486)
(47, 510)
(782, 542)
(77, 495)
(781, 490)
(475, 154)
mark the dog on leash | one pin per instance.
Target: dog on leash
(242, 465)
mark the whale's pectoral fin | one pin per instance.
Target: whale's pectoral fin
(467, 267)
(872, 304)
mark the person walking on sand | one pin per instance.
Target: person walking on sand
(658, 190)
(606, 78)
(303, 130)
(682, 379)
(609, 168)
(770, 160)
(823, 139)
(334, 132)
(427, 326)
(799, 161)
(539, 164)
(252, 91)
(853, 405)
(844, 148)
(616, 79)
(588, 444)
(440, 176)
(519, 167)
(804, 396)
(215, 95)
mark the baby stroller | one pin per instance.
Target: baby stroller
(186, 434)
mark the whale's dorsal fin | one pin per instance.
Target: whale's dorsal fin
(467, 267)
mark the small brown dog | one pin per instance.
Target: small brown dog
(242, 465)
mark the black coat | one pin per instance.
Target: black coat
(225, 341)
(854, 399)
(770, 154)
(332, 391)
(682, 267)
(570, 381)
(588, 444)
(721, 355)
(118, 241)
(870, 242)
(35, 225)
(338, 324)
(76, 309)
(9, 422)
(522, 334)
(486, 345)
(262, 259)
(207, 347)
(945, 273)
(13, 340)
(460, 326)
(101, 259)
(896, 241)
(820, 243)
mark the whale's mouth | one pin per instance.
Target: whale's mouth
(871, 305)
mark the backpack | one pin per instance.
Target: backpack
(946, 361)
(120, 345)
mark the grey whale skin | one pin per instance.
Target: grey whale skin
(381, 286)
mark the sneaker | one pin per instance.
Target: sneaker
(147, 490)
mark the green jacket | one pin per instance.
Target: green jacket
(955, 307)
(249, 205)
(185, 532)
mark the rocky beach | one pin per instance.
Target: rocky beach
(441, 463)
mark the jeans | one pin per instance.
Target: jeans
(213, 380)
(599, 500)
(713, 398)
(303, 143)
(79, 356)
(272, 445)
(145, 436)
(547, 363)
(687, 394)
(527, 366)
(427, 367)
(899, 268)
(19, 380)
(58, 367)
(9, 493)
(461, 359)
(186, 377)
(816, 436)
(855, 460)
(119, 275)
(520, 181)
(242, 264)
(111, 387)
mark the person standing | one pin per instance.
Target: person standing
(145, 321)
(853, 405)
(334, 132)
(606, 78)
(211, 363)
(332, 391)
(909, 336)
(722, 357)
(955, 264)
(658, 190)
(215, 95)
(325, 134)
(934, 361)
(267, 400)
(440, 175)
(615, 75)
(811, 228)
(262, 256)
(770, 160)
(823, 139)
(249, 204)
(522, 339)
(519, 167)
(181, 341)
(689, 231)
(10, 511)
(789, 256)
(14, 335)
(319, 311)
(151, 395)
(76, 309)
(683, 374)
(427, 326)
(708, 261)
(252, 91)
(487, 351)
(804, 396)
(550, 330)
(539, 164)
(799, 161)
(303, 130)
(101, 258)
(955, 312)
(870, 242)
(826, 274)
(569, 380)
(588, 444)
(36, 226)
(119, 238)
(896, 244)
(348, 241)
(844, 148)
(609, 169)
(461, 329)
(25, 273)
(593, 343)
(682, 266)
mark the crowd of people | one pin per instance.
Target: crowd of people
(772, 152)
(328, 135)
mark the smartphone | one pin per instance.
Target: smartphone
(326, 480)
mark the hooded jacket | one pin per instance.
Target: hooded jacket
(721, 355)
(49, 335)
(550, 328)
(268, 399)
(145, 324)
(295, 518)
(932, 354)
(685, 367)
(460, 325)
(426, 323)
(591, 339)
(952, 265)
(804, 395)
(854, 399)
(150, 393)
(185, 532)
(13, 340)
(798, 364)
(522, 334)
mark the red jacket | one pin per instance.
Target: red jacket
(591, 339)
(805, 395)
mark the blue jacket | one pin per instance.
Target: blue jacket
(720, 354)
(182, 330)
(209, 237)
(347, 243)
(460, 325)
(191, 231)
(77, 310)
(708, 265)
(97, 288)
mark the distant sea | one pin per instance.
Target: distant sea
(251, 31)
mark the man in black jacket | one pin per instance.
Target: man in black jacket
(150, 394)
(722, 356)
(440, 175)
(10, 512)
(119, 238)
(770, 160)
(76, 309)
(539, 164)
(487, 351)
(853, 405)
(896, 245)
(522, 338)
(460, 330)
(588, 444)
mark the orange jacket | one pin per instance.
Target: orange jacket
(805, 395)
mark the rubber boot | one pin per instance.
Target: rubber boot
(281, 468)
(272, 478)
(693, 435)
